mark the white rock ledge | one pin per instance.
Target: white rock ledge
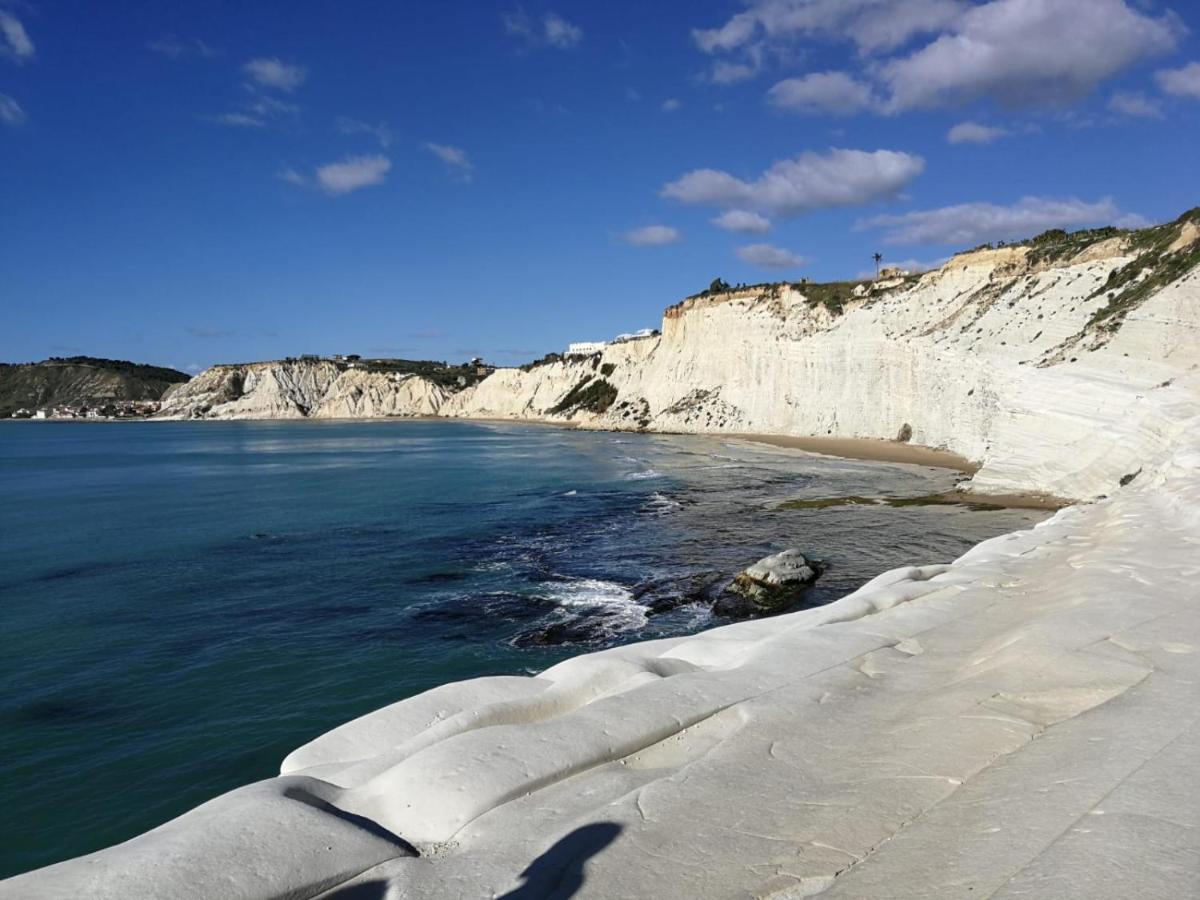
(1022, 722)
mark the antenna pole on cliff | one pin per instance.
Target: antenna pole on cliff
(878, 257)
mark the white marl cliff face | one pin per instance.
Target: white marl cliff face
(997, 356)
(296, 389)
(985, 357)
(1018, 722)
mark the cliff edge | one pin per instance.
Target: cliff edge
(1019, 722)
(1061, 366)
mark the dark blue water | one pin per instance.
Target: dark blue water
(182, 604)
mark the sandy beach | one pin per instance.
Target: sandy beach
(867, 448)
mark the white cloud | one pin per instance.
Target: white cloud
(11, 113)
(767, 256)
(552, 31)
(274, 73)
(671, 104)
(970, 224)
(380, 132)
(173, 47)
(743, 221)
(724, 72)
(806, 182)
(237, 120)
(560, 33)
(974, 133)
(1033, 53)
(871, 24)
(256, 112)
(1027, 53)
(15, 44)
(1135, 104)
(291, 176)
(352, 173)
(652, 236)
(455, 158)
(1182, 82)
(835, 93)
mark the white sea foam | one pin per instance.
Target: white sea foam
(660, 504)
(641, 476)
(614, 601)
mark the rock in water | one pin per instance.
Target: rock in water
(769, 586)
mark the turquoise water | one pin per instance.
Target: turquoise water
(184, 603)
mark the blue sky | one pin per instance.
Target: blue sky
(188, 183)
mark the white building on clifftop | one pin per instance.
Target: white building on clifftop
(585, 348)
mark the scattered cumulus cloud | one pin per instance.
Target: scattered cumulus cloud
(292, 176)
(457, 162)
(11, 113)
(920, 54)
(561, 33)
(970, 224)
(652, 236)
(671, 104)
(832, 93)
(804, 183)
(15, 45)
(350, 174)
(725, 72)
(870, 24)
(1182, 82)
(271, 72)
(1027, 53)
(380, 132)
(767, 256)
(552, 30)
(256, 112)
(237, 120)
(353, 173)
(743, 221)
(1135, 104)
(974, 133)
(173, 47)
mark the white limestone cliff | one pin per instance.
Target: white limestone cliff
(295, 389)
(989, 357)
(1001, 356)
(1018, 722)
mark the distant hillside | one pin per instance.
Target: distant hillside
(76, 380)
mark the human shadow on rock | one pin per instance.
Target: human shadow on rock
(558, 873)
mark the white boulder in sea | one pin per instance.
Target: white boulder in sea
(768, 586)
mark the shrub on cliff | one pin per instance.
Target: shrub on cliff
(594, 396)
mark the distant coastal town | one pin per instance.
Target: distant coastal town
(113, 409)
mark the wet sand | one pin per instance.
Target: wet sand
(867, 448)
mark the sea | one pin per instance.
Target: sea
(184, 603)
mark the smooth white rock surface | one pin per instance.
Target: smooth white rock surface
(1022, 722)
